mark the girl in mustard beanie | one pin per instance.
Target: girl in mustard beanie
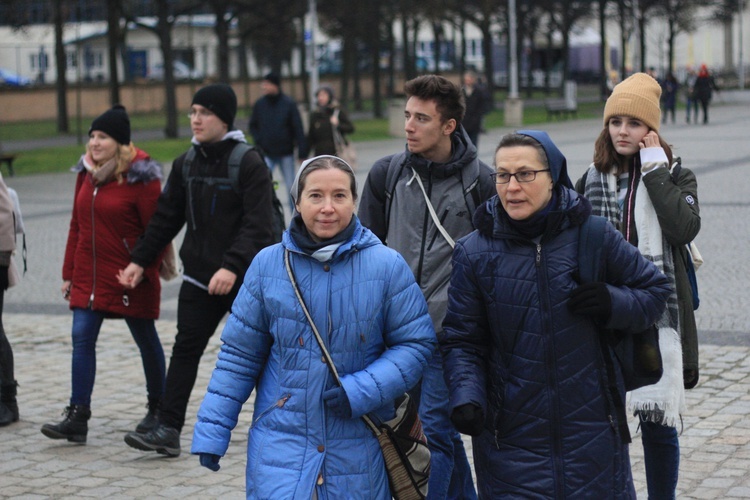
(636, 184)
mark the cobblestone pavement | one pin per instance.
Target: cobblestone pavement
(715, 441)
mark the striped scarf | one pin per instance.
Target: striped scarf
(664, 401)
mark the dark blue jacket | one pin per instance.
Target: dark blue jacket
(276, 126)
(512, 347)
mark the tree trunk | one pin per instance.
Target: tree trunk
(489, 67)
(222, 35)
(164, 32)
(113, 40)
(603, 91)
(61, 85)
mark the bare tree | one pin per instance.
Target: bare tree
(61, 85)
(166, 13)
(484, 14)
(114, 14)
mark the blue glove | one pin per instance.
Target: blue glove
(210, 461)
(338, 402)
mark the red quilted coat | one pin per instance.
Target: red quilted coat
(106, 222)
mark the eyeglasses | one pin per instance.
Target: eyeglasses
(200, 113)
(523, 176)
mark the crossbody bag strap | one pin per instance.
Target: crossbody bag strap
(316, 332)
(434, 216)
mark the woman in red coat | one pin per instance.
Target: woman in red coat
(116, 194)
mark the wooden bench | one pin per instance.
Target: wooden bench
(562, 108)
(8, 160)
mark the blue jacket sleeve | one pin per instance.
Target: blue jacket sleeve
(246, 344)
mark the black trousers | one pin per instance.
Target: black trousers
(6, 351)
(198, 315)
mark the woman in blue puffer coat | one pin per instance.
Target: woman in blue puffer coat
(307, 439)
(523, 358)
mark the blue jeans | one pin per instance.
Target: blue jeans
(86, 327)
(450, 474)
(287, 167)
(661, 455)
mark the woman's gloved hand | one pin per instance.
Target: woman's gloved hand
(338, 402)
(210, 461)
(468, 419)
(592, 299)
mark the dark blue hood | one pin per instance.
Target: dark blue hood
(558, 165)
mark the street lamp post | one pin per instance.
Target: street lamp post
(513, 104)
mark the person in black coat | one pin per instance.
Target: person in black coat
(225, 231)
(328, 118)
(478, 103)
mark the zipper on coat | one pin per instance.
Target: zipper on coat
(278, 404)
(93, 246)
(546, 320)
(538, 261)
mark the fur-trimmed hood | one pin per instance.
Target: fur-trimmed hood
(143, 168)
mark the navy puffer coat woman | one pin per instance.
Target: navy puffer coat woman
(523, 361)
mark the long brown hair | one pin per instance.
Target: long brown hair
(606, 158)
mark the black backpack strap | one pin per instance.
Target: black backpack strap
(391, 179)
(591, 268)
(590, 241)
(235, 159)
(187, 163)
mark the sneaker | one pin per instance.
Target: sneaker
(161, 439)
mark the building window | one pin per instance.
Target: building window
(71, 59)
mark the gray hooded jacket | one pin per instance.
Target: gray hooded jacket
(409, 228)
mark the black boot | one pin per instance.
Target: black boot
(74, 426)
(8, 404)
(151, 418)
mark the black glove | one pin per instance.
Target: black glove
(210, 461)
(338, 402)
(468, 419)
(592, 299)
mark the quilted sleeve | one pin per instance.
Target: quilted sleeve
(465, 344)
(246, 344)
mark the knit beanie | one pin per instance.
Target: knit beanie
(220, 99)
(115, 123)
(637, 97)
(273, 78)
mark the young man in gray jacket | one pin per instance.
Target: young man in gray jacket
(419, 202)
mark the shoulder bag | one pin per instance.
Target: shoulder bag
(402, 442)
